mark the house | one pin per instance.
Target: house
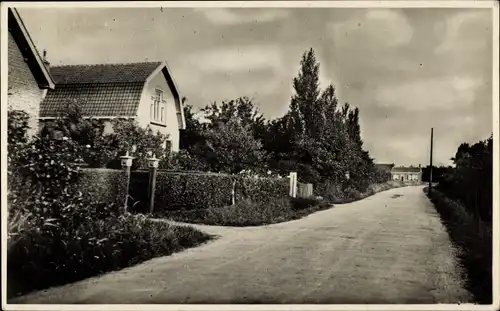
(405, 174)
(28, 77)
(142, 91)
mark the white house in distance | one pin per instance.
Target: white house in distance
(404, 174)
(142, 91)
(28, 77)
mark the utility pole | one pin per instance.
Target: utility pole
(430, 171)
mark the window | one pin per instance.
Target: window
(157, 110)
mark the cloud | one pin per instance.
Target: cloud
(383, 27)
(461, 31)
(237, 58)
(438, 94)
(226, 16)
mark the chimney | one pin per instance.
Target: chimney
(420, 166)
(45, 61)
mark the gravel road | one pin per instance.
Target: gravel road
(389, 248)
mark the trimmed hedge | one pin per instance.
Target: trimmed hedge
(260, 190)
(103, 185)
(194, 190)
(181, 191)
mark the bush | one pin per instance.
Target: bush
(105, 185)
(62, 226)
(250, 213)
(180, 190)
(304, 203)
(260, 190)
(474, 239)
(334, 193)
(83, 246)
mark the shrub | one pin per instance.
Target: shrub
(260, 189)
(106, 185)
(243, 213)
(250, 213)
(75, 249)
(181, 190)
(304, 203)
(474, 240)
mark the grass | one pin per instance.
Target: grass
(39, 258)
(248, 213)
(474, 240)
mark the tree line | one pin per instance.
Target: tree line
(318, 137)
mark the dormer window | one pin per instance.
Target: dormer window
(158, 107)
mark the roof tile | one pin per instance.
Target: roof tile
(96, 99)
(103, 73)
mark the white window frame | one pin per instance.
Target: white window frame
(158, 109)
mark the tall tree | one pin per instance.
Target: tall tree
(305, 100)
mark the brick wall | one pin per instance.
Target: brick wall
(23, 91)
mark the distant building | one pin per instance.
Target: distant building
(405, 174)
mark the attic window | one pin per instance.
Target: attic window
(158, 107)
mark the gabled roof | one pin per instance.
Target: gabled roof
(403, 169)
(23, 40)
(103, 73)
(104, 90)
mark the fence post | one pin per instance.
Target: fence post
(293, 184)
(233, 193)
(126, 162)
(153, 167)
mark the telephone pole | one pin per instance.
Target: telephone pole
(430, 171)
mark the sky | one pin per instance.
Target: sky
(406, 69)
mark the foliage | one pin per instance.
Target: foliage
(82, 246)
(305, 203)
(60, 227)
(260, 190)
(183, 160)
(182, 190)
(248, 213)
(227, 143)
(474, 240)
(108, 185)
(471, 181)
(127, 134)
(336, 194)
(104, 149)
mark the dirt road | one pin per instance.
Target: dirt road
(389, 248)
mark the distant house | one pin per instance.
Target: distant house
(28, 77)
(405, 174)
(143, 91)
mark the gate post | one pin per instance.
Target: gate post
(293, 184)
(153, 167)
(126, 162)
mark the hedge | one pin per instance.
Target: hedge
(181, 191)
(193, 190)
(103, 185)
(261, 190)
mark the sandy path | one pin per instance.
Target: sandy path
(383, 249)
